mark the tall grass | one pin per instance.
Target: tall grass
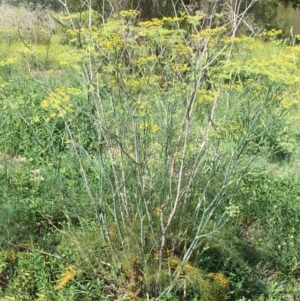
(32, 26)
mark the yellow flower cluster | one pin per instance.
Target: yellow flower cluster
(146, 60)
(221, 280)
(271, 33)
(8, 61)
(229, 88)
(277, 69)
(190, 275)
(172, 20)
(10, 255)
(290, 99)
(212, 32)
(129, 14)
(113, 43)
(134, 84)
(194, 20)
(181, 67)
(152, 23)
(68, 275)
(180, 48)
(207, 95)
(242, 38)
(247, 43)
(58, 101)
(151, 126)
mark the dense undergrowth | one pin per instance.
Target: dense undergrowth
(144, 160)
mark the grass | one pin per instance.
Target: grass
(135, 167)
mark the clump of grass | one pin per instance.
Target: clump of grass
(32, 26)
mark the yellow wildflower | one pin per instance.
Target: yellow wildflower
(67, 276)
(10, 255)
(221, 280)
(151, 126)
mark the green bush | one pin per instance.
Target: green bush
(139, 141)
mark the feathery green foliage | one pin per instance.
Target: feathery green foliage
(129, 154)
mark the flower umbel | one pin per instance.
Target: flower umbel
(221, 280)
